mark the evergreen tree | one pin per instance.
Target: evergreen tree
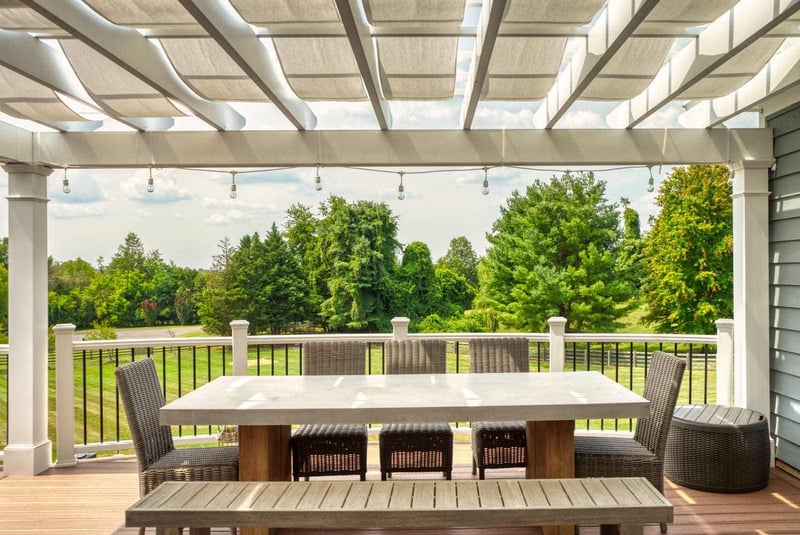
(553, 252)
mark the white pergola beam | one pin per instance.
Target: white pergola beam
(395, 148)
(33, 59)
(133, 52)
(609, 32)
(16, 144)
(489, 24)
(781, 73)
(355, 23)
(719, 42)
(237, 39)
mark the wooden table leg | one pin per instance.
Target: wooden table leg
(551, 454)
(264, 456)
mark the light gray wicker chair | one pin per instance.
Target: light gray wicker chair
(412, 447)
(642, 455)
(498, 444)
(325, 450)
(156, 455)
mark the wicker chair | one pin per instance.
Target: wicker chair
(325, 450)
(156, 455)
(498, 444)
(425, 447)
(642, 455)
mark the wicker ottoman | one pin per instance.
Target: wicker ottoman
(718, 449)
(416, 448)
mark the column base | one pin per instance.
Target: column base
(27, 460)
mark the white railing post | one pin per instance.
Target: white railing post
(724, 362)
(65, 395)
(239, 343)
(400, 328)
(557, 327)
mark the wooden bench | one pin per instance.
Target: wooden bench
(620, 505)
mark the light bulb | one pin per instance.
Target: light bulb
(569, 189)
(318, 183)
(65, 186)
(650, 186)
(233, 191)
(150, 185)
(485, 189)
(401, 192)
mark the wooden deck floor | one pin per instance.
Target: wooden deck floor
(92, 498)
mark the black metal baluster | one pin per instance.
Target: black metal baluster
(258, 359)
(164, 369)
(630, 381)
(194, 377)
(602, 372)
(180, 393)
(223, 360)
(116, 394)
(83, 358)
(690, 373)
(457, 349)
(286, 359)
(705, 374)
(272, 359)
(100, 383)
(616, 377)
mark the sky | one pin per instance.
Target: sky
(190, 211)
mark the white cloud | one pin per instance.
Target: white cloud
(492, 115)
(84, 188)
(582, 119)
(166, 188)
(74, 211)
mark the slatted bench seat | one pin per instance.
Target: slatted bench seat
(620, 505)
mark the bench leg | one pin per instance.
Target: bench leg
(551, 454)
(621, 530)
(199, 531)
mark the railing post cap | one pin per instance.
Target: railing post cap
(557, 321)
(724, 324)
(400, 320)
(239, 324)
(64, 328)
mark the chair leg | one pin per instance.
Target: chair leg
(141, 531)
(448, 475)
(482, 473)
(474, 466)
(199, 531)
(663, 527)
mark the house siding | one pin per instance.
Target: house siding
(784, 291)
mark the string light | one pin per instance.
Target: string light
(65, 183)
(650, 181)
(233, 185)
(731, 174)
(485, 189)
(318, 181)
(400, 189)
(151, 187)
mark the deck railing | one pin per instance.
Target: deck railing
(89, 417)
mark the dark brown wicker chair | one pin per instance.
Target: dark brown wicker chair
(326, 450)
(425, 447)
(642, 455)
(156, 455)
(498, 444)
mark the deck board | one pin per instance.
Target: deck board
(92, 497)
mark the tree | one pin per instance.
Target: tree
(456, 293)
(220, 300)
(553, 252)
(302, 239)
(460, 258)
(358, 242)
(416, 292)
(631, 257)
(689, 251)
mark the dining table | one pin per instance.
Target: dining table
(265, 408)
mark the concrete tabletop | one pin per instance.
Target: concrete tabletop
(283, 400)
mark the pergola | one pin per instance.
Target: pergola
(158, 83)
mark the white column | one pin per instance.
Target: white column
(239, 342)
(557, 349)
(751, 284)
(65, 395)
(724, 362)
(28, 451)
(400, 328)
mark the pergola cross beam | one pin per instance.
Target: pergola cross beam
(731, 33)
(609, 32)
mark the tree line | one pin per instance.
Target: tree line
(559, 248)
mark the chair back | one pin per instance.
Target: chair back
(415, 356)
(661, 388)
(137, 383)
(498, 355)
(334, 358)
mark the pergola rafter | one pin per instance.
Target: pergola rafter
(242, 45)
(719, 42)
(133, 52)
(608, 34)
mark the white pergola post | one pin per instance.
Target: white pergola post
(28, 451)
(751, 284)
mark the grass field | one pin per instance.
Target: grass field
(99, 416)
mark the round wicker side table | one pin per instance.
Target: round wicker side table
(718, 449)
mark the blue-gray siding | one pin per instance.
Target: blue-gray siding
(784, 251)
